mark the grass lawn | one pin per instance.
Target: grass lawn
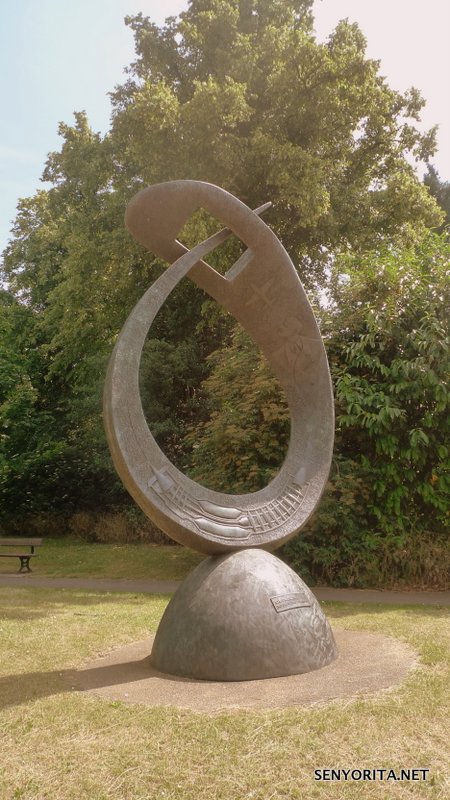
(60, 744)
(71, 558)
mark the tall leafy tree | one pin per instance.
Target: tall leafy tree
(239, 93)
(390, 324)
(387, 508)
(242, 442)
(440, 190)
(29, 443)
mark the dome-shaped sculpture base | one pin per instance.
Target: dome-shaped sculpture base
(240, 617)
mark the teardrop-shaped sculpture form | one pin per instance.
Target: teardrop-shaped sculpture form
(263, 292)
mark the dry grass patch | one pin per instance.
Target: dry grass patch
(59, 744)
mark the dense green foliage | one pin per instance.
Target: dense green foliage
(440, 190)
(242, 443)
(387, 506)
(30, 449)
(240, 94)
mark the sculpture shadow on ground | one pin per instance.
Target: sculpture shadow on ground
(27, 687)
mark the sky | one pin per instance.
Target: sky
(61, 56)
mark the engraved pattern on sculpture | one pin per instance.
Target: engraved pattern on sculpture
(227, 522)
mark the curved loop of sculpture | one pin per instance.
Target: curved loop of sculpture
(263, 292)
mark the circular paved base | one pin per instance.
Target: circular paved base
(367, 662)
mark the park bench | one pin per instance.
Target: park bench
(18, 544)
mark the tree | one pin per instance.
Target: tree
(440, 190)
(392, 390)
(241, 94)
(241, 444)
(386, 512)
(28, 444)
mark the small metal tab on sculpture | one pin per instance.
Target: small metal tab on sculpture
(263, 292)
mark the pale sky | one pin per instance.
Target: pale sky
(60, 56)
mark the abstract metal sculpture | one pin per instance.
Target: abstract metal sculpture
(200, 635)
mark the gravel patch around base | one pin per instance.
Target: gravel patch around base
(367, 663)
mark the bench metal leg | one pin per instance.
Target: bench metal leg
(24, 564)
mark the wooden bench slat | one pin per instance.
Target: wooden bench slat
(8, 541)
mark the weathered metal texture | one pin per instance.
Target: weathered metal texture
(242, 616)
(263, 292)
